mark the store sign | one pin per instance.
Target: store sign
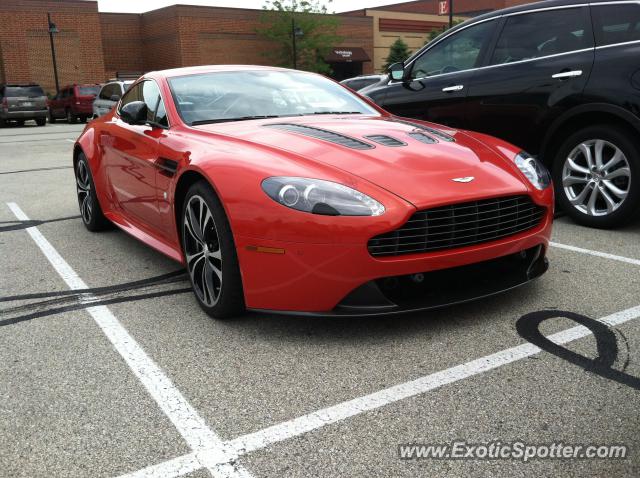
(344, 53)
(443, 7)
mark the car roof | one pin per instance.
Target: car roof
(193, 70)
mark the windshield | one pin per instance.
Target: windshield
(30, 91)
(238, 95)
(88, 90)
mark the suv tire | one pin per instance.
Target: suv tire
(596, 173)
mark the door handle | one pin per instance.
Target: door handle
(450, 89)
(567, 74)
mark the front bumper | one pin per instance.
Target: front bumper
(321, 279)
(23, 115)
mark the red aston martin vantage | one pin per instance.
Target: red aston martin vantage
(282, 190)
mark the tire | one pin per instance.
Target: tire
(71, 118)
(3, 122)
(211, 258)
(20, 122)
(51, 118)
(616, 186)
(90, 210)
(41, 121)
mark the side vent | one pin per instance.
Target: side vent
(423, 138)
(385, 140)
(438, 134)
(323, 134)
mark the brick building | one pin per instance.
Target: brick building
(91, 46)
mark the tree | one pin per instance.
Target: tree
(398, 53)
(314, 30)
(434, 33)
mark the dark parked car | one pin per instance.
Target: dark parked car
(20, 103)
(558, 78)
(73, 102)
(359, 82)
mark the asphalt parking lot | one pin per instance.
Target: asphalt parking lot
(109, 368)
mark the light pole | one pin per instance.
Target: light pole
(295, 32)
(450, 13)
(53, 29)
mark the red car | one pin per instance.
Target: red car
(72, 103)
(282, 190)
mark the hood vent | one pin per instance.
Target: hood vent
(438, 134)
(323, 134)
(385, 140)
(423, 138)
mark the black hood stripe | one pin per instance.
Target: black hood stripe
(323, 134)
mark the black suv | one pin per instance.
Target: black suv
(560, 79)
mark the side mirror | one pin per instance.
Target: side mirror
(397, 71)
(134, 113)
(115, 98)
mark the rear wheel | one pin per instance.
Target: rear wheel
(41, 121)
(20, 122)
(597, 177)
(90, 209)
(210, 253)
(51, 117)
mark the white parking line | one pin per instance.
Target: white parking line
(211, 452)
(336, 413)
(604, 255)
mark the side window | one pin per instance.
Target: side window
(533, 35)
(148, 92)
(103, 93)
(616, 23)
(460, 51)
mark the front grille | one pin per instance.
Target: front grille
(459, 225)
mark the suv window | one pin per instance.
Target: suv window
(460, 51)
(88, 90)
(109, 90)
(616, 23)
(534, 35)
(29, 91)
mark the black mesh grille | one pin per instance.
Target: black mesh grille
(459, 225)
(385, 140)
(322, 134)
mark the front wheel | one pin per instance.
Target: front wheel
(41, 121)
(71, 118)
(210, 253)
(597, 177)
(90, 209)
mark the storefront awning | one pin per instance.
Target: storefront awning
(344, 54)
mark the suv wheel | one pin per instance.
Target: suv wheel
(51, 117)
(41, 121)
(597, 176)
(71, 118)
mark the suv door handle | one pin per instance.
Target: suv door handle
(450, 89)
(567, 74)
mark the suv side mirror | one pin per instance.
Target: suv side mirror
(397, 71)
(115, 98)
(134, 113)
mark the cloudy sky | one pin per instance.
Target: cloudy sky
(139, 6)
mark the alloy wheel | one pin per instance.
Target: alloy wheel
(83, 186)
(596, 177)
(202, 250)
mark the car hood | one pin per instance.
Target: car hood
(422, 174)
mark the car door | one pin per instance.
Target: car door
(436, 83)
(130, 155)
(537, 70)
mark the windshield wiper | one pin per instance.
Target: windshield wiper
(337, 113)
(228, 120)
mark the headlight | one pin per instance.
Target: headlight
(321, 197)
(534, 170)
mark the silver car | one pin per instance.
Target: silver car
(20, 103)
(109, 96)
